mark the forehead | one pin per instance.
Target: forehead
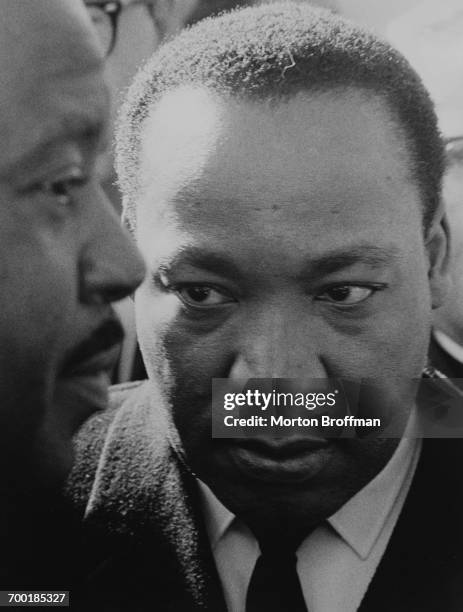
(51, 64)
(204, 158)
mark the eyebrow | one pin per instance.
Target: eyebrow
(313, 267)
(124, 3)
(369, 255)
(205, 259)
(85, 128)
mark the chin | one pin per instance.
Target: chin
(55, 468)
(75, 400)
(52, 458)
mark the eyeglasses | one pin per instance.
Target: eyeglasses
(105, 18)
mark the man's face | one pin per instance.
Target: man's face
(449, 318)
(282, 240)
(64, 257)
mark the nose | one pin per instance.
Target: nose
(111, 266)
(280, 343)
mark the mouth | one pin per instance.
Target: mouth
(86, 373)
(281, 461)
(96, 353)
(101, 361)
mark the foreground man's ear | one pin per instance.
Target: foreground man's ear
(438, 249)
(127, 222)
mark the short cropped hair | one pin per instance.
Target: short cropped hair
(273, 52)
(208, 8)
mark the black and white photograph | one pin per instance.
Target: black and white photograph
(231, 305)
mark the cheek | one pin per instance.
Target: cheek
(391, 340)
(171, 343)
(37, 316)
(456, 225)
(398, 345)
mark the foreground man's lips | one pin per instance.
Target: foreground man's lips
(103, 361)
(82, 386)
(281, 461)
(97, 352)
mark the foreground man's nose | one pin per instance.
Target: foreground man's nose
(277, 354)
(112, 267)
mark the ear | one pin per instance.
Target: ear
(128, 217)
(127, 222)
(438, 250)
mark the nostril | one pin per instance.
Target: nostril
(105, 294)
(103, 285)
(116, 293)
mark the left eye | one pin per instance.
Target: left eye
(347, 294)
(62, 188)
(202, 296)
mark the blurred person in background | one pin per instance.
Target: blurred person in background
(64, 260)
(431, 37)
(129, 32)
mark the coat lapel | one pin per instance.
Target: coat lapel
(143, 511)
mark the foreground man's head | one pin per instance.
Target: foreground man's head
(64, 257)
(282, 172)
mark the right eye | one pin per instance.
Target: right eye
(201, 296)
(63, 187)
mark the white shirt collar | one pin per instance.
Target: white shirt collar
(360, 521)
(217, 517)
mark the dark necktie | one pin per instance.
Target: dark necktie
(275, 585)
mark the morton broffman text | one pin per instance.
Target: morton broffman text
(281, 421)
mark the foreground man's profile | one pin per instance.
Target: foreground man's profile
(64, 259)
(281, 172)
